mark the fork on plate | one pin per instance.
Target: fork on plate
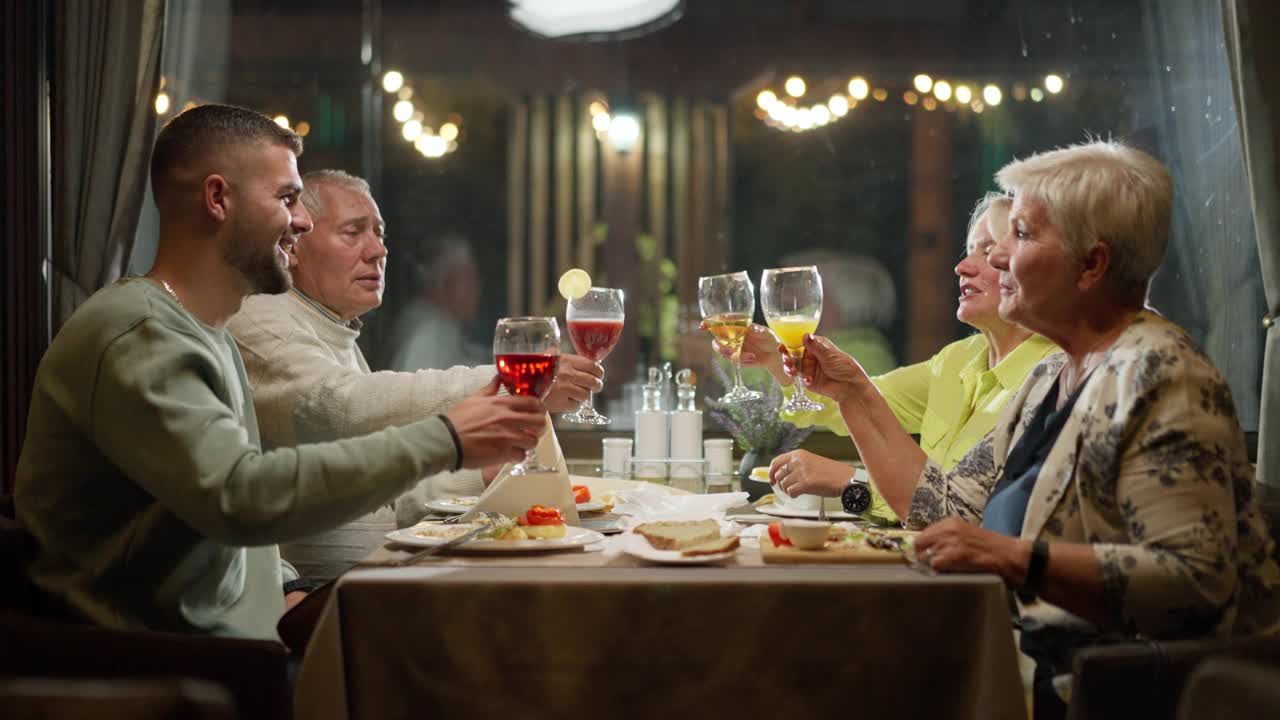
(484, 521)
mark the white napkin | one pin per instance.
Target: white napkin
(514, 494)
(649, 504)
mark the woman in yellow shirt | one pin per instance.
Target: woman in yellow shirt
(951, 400)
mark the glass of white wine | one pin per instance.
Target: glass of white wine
(791, 299)
(728, 302)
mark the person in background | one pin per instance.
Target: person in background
(429, 331)
(311, 382)
(142, 475)
(1114, 494)
(951, 400)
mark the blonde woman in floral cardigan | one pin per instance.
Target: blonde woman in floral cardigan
(1114, 493)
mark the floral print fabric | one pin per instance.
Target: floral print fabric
(1151, 470)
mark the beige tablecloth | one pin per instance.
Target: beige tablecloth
(583, 635)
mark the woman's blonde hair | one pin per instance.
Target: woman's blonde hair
(995, 207)
(1102, 190)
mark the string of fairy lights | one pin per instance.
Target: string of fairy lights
(432, 142)
(790, 108)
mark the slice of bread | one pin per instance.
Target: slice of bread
(678, 535)
(712, 547)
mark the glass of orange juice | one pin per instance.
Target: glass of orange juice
(791, 299)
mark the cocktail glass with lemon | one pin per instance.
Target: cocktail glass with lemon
(594, 317)
(728, 303)
(792, 302)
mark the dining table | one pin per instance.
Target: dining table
(592, 632)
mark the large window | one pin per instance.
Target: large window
(652, 157)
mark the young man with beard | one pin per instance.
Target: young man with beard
(311, 382)
(142, 476)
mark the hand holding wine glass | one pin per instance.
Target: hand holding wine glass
(827, 370)
(526, 351)
(792, 302)
(728, 303)
(493, 430)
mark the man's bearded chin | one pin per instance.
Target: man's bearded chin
(263, 273)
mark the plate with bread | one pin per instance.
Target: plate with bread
(680, 542)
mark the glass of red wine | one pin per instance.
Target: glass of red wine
(526, 351)
(595, 324)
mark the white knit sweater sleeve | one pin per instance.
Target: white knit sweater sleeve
(303, 392)
(305, 388)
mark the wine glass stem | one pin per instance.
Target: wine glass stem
(797, 387)
(737, 370)
(588, 406)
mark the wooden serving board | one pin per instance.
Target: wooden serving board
(834, 553)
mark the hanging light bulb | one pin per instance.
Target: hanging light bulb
(858, 88)
(392, 81)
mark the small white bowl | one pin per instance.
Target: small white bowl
(806, 534)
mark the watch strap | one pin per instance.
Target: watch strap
(1036, 566)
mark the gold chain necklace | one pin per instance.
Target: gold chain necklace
(169, 289)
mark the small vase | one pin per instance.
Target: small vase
(753, 488)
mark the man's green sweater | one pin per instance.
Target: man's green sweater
(143, 478)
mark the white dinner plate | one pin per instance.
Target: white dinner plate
(636, 546)
(786, 512)
(454, 505)
(573, 537)
(459, 505)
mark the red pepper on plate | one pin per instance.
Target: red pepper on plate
(542, 515)
(775, 535)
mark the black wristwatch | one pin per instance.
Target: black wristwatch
(856, 497)
(1034, 581)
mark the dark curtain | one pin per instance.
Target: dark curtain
(24, 197)
(1254, 58)
(106, 72)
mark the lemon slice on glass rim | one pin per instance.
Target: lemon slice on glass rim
(574, 283)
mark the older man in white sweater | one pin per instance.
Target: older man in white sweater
(311, 382)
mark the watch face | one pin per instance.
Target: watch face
(856, 498)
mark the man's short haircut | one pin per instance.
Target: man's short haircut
(212, 128)
(316, 179)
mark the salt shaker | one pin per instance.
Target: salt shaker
(616, 453)
(719, 459)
